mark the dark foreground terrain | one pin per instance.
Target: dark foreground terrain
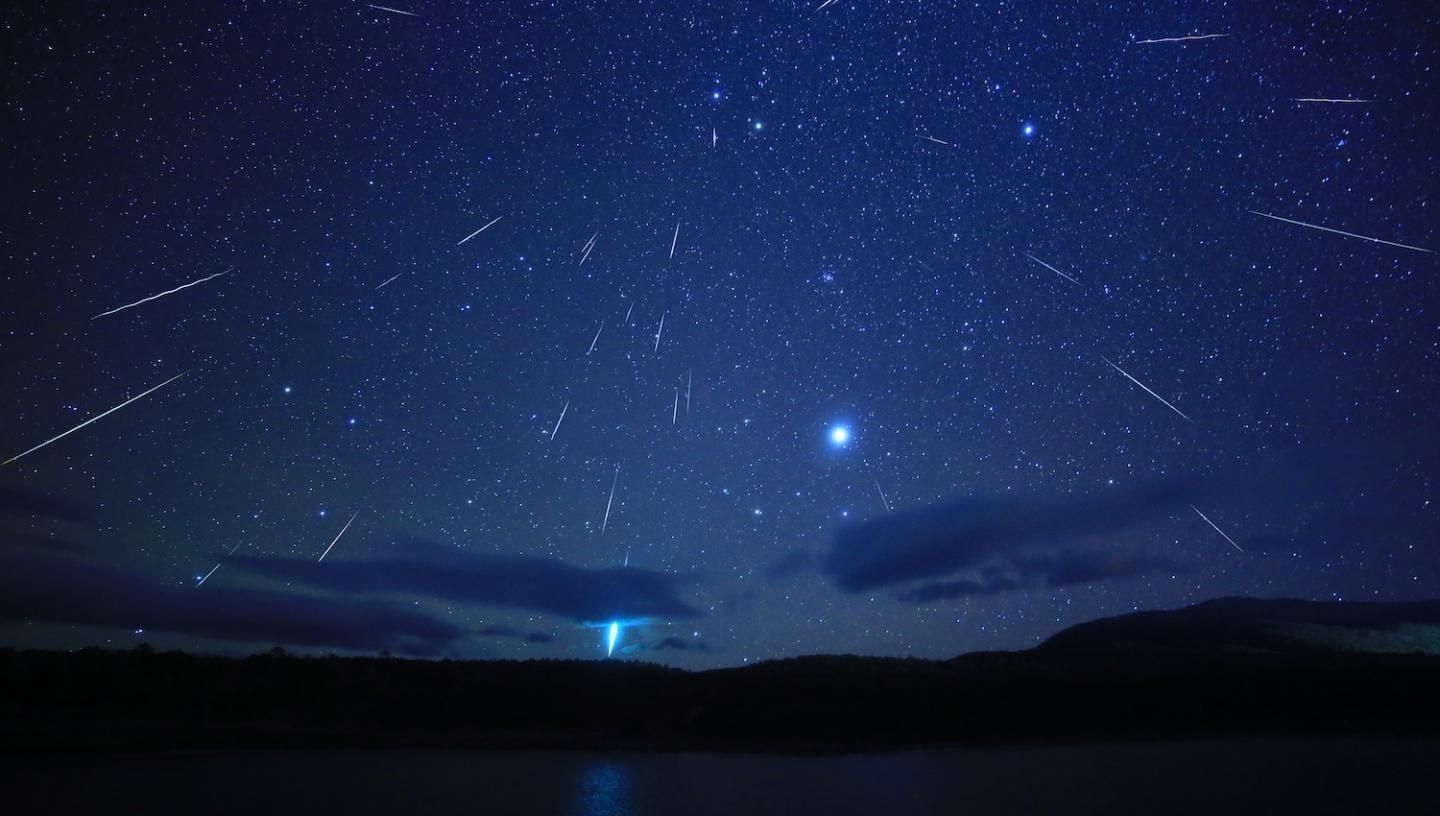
(1227, 669)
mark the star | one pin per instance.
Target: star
(839, 436)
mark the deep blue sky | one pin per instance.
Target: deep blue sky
(833, 267)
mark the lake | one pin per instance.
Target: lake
(1350, 775)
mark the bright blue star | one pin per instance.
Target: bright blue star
(759, 125)
(1028, 130)
(840, 436)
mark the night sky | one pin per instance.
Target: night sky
(908, 257)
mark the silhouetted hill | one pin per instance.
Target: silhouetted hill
(1268, 626)
(1225, 668)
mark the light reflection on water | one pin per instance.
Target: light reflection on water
(605, 791)
(1261, 776)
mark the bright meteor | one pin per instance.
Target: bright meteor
(162, 294)
(482, 229)
(1147, 389)
(94, 418)
(612, 635)
(337, 537)
(1216, 529)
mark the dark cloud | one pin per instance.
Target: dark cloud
(737, 602)
(515, 581)
(1048, 570)
(23, 501)
(998, 536)
(41, 541)
(679, 644)
(66, 591)
(789, 564)
(958, 588)
(1067, 567)
(511, 632)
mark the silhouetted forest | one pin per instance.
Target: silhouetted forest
(93, 699)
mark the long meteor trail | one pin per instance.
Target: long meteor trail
(589, 247)
(560, 420)
(1329, 100)
(207, 576)
(94, 418)
(389, 280)
(1147, 389)
(337, 537)
(1181, 39)
(162, 294)
(1342, 232)
(201, 582)
(482, 229)
(1051, 268)
(675, 240)
(660, 331)
(392, 10)
(883, 500)
(1217, 529)
(596, 339)
(611, 501)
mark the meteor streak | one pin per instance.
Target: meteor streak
(560, 420)
(613, 482)
(1217, 529)
(1182, 39)
(1051, 268)
(217, 566)
(389, 280)
(675, 412)
(689, 381)
(660, 331)
(162, 294)
(482, 229)
(207, 575)
(628, 312)
(94, 418)
(612, 635)
(675, 240)
(1342, 232)
(589, 246)
(595, 339)
(883, 500)
(392, 10)
(1147, 389)
(337, 537)
(935, 140)
(1332, 101)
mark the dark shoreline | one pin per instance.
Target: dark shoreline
(95, 701)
